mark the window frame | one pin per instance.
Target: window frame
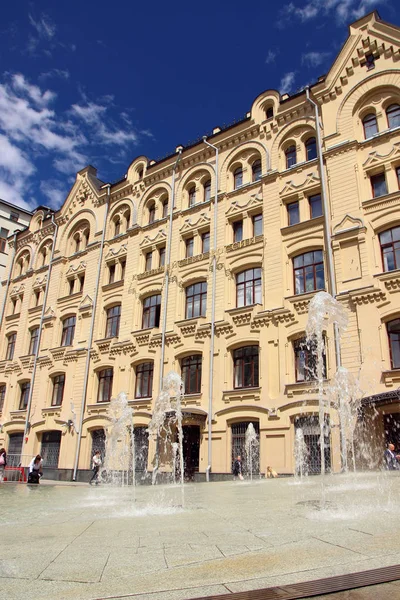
(257, 218)
(192, 196)
(300, 345)
(392, 245)
(113, 321)
(256, 170)
(367, 121)
(396, 108)
(67, 338)
(25, 388)
(289, 213)
(33, 342)
(254, 285)
(151, 208)
(291, 153)
(205, 238)
(11, 342)
(196, 301)
(148, 260)
(311, 142)
(238, 176)
(3, 390)
(189, 247)
(194, 361)
(373, 178)
(236, 226)
(303, 269)
(57, 395)
(312, 200)
(207, 191)
(105, 379)
(152, 312)
(390, 342)
(161, 256)
(142, 369)
(240, 362)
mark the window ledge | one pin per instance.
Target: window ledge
(113, 285)
(47, 410)
(302, 387)
(302, 301)
(151, 273)
(378, 200)
(16, 415)
(193, 208)
(244, 188)
(242, 309)
(193, 259)
(300, 166)
(15, 317)
(302, 225)
(99, 407)
(379, 134)
(391, 377)
(35, 309)
(391, 279)
(242, 394)
(244, 243)
(70, 297)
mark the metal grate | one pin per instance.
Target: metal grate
(311, 431)
(317, 587)
(239, 443)
(50, 450)
(141, 449)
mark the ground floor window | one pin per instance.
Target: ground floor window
(141, 449)
(50, 451)
(238, 431)
(15, 449)
(98, 444)
(311, 432)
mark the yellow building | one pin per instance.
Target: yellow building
(118, 291)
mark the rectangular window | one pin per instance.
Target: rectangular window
(113, 320)
(189, 242)
(390, 247)
(71, 286)
(148, 259)
(123, 269)
(58, 390)
(68, 331)
(293, 213)
(205, 242)
(37, 297)
(191, 374)
(105, 385)
(248, 287)
(111, 273)
(81, 279)
(151, 311)
(378, 184)
(306, 360)
(2, 396)
(161, 257)
(245, 361)
(144, 380)
(315, 206)
(237, 231)
(398, 177)
(309, 272)
(196, 300)
(24, 397)
(11, 346)
(14, 216)
(34, 340)
(3, 243)
(257, 225)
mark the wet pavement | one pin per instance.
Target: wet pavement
(89, 542)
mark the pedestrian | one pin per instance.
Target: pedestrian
(271, 474)
(391, 459)
(96, 464)
(35, 469)
(237, 468)
(3, 463)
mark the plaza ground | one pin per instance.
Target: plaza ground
(80, 542)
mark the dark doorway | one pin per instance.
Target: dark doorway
(191, 450)
(98, 444)
(141, 449)
(239, 444)
(51, 441)
(15, 449)
(311, 431)
(391, 424)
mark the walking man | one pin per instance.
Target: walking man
(96, 464)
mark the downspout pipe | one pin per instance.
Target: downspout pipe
(37, 349)
(213, 296)
(327, 228)
(168, 260)
(91, 332)
(3, 306)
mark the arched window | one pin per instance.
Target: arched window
(256, 170)
(191, 373)
(238, 178)
(291, 157)
(105, 385)
(248, 287)
(311, 148)
(117, 226)
(245, 364)
(370, 125)
(309, 272)
(393, 115)
(393, 329)
(113, 321)
(207, 190)
(152, 212)
(151, 311)
(144, 380)
(390, 248)
(192, 196)
(196, 300)
(77, 242)
(269, 113)
(165, 208)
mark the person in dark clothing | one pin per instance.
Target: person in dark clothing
(237, 468)
(35, 469)
(391, 459)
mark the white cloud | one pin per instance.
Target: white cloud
(44, 26)
(287, 82)
(270, 58)
(54, 191)
(13, 159)
(91, 113)
(344, 10)
(314, 59)
(61, 73)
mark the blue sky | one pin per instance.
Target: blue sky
(103, 82)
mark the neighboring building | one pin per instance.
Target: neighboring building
(271, 258)
(12, 218)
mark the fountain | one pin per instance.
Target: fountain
(252, 447)
(165, 423)
(300, 454)
(119, 460)
(323, 311)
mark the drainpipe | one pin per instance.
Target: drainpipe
(37, 349)
(168, 259)
(214, 280)
(91, 332)
(3, 306)
(327, 230)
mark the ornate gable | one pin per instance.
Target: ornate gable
(254, 201)
(377, 159)
(160, 236)
(312, 179)
(188, 225)
(348, 223)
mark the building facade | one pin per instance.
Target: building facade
(113, 291)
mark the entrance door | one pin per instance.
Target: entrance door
(191, 450)
(141, 449)
(239, 445)
(51, 441)
(311, 431)
(15, 449)
(98, 444)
